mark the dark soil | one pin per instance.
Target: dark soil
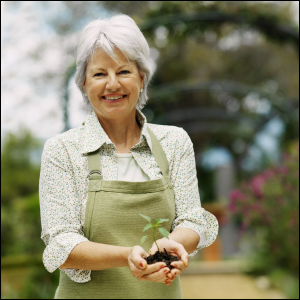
(162, 256)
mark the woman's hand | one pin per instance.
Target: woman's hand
(176, 249)
(142, 271)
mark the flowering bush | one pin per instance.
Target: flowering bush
(269, 203)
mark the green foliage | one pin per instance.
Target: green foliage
(20, 211)
(21, 227)
(207, 80)
(20, 219)
(38, 283)
(155, 226)
(206, 185)
(19, 174)
(269, 206)
(286, 282)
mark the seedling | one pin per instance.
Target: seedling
(156, 226)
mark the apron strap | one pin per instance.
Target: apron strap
(160, 156)
(94, 165)
(159, 153)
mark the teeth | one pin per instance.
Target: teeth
(113, 98)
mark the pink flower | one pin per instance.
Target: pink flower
(257, 185)
(237, 195)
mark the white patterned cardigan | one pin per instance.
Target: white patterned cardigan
(63, 185)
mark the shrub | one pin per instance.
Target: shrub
(269, 205)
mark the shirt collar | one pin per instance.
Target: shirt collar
(95, 136)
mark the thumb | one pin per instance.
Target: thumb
(185, 259)
(184, 256)
(152, 250)
(142, 264)
(138, 258)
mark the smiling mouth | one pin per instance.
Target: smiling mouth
(113, 98)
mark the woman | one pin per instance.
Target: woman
(96, 179)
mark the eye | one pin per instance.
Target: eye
(98, 74)
(125, 71)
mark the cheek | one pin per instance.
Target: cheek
(96, 86)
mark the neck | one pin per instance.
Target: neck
(123, 132)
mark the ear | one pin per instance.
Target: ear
(83, 85)
(142, 75)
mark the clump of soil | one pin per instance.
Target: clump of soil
(162, 256)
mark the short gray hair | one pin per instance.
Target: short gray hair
(121, 32)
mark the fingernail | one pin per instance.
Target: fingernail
(175, 273)
(166, 271)
(141, 264)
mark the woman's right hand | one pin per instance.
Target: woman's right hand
(142, 271)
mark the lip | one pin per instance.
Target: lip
(113, 95)
(114, 101)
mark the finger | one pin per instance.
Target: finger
(170, 276)
(137, 258)
(182, 254)
(178, 265)
(137, 272)
(159, 276)
(185, 258)
(175, 272)
(155, 268)
(153, 250)
(140, 264)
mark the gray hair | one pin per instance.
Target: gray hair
(121, 32)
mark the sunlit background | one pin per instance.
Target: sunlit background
(225, 71)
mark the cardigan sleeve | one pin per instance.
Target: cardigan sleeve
(60, 209)
(188, 210)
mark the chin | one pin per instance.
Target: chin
(113, 112)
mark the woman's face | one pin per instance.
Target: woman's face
(113, 89)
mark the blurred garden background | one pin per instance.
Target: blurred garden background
(225, 71)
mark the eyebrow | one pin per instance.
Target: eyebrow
(104, 69)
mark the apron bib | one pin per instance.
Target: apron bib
(112, 217)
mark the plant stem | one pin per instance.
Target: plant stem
(153, 231)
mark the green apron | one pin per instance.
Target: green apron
(112, 217)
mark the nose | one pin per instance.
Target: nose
(112, 82)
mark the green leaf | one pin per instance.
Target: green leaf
(146, 217)
(164, 232)
(158, 221)
(147, 227)
(144, 239)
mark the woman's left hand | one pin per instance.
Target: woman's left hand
(176, 249)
